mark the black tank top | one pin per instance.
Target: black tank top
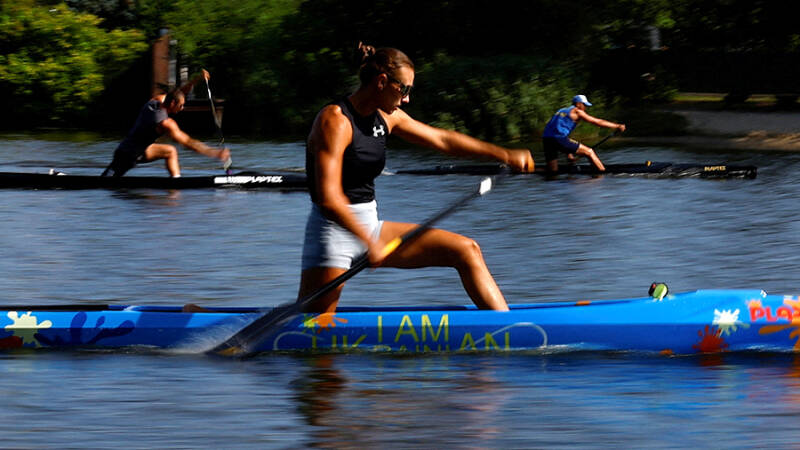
(363, 159)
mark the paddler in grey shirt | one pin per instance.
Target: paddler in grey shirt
(139, 145)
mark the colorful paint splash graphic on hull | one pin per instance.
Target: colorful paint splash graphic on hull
(789, 312)
(27, 331)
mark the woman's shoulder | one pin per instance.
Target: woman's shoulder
(331, 111)
(331, 116)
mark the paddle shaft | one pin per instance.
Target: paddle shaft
(246, 340)
(228, 162)
(614, 133)
(214, 114)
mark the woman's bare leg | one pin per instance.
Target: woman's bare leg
(313, 279)
(434, 248)
(442, 248)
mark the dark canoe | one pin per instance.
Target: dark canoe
(246, 180)
(649, 168)
(297, 181)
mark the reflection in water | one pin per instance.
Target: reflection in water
(164, 197)
(316, 394)
(387, 398)
(539, 400)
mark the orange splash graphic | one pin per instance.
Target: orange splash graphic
(754, 304)
(710, 341)
(794, 325)
(323, 321)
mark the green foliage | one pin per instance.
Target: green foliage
(492, 69)
(734, 25)
(54, 63)
(739, 47)
(631, 23)
(241, 45)
(115, 13)
(504, 98)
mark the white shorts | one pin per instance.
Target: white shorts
(328, 244)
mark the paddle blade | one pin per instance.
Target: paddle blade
(247, 340)
(486, 186)
(217, 119)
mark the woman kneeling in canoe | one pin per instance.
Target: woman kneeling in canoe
(346, 151)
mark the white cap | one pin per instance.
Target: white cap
(582, 99)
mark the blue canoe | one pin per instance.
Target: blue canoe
(685, 323)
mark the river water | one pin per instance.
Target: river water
(576, 238)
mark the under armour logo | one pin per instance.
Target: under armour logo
(378, 131)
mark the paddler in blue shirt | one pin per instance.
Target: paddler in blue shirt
(139, 145)
(556, 134)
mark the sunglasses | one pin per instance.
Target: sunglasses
(405, 89)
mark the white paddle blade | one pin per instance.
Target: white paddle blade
(486, 186)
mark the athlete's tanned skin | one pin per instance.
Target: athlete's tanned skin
(387, 76)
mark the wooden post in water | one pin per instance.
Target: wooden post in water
(196, 116)
(160, 64)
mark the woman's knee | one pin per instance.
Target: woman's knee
(468, 250)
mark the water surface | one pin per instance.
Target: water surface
(575, 238)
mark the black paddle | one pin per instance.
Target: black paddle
(599, 143)
(613, 133)
(228, 162)
(246, 341)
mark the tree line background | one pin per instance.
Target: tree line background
(494, 69)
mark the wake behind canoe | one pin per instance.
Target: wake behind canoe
(685, 323)
(247, 180)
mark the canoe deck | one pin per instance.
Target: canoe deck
(297, 181)
(243, 180)
(685, 323)
(646, 169)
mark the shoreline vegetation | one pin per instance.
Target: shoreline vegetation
(701, 120)
(91, 64)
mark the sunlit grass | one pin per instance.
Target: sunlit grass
(707, 97)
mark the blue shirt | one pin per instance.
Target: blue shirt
(561, 124)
